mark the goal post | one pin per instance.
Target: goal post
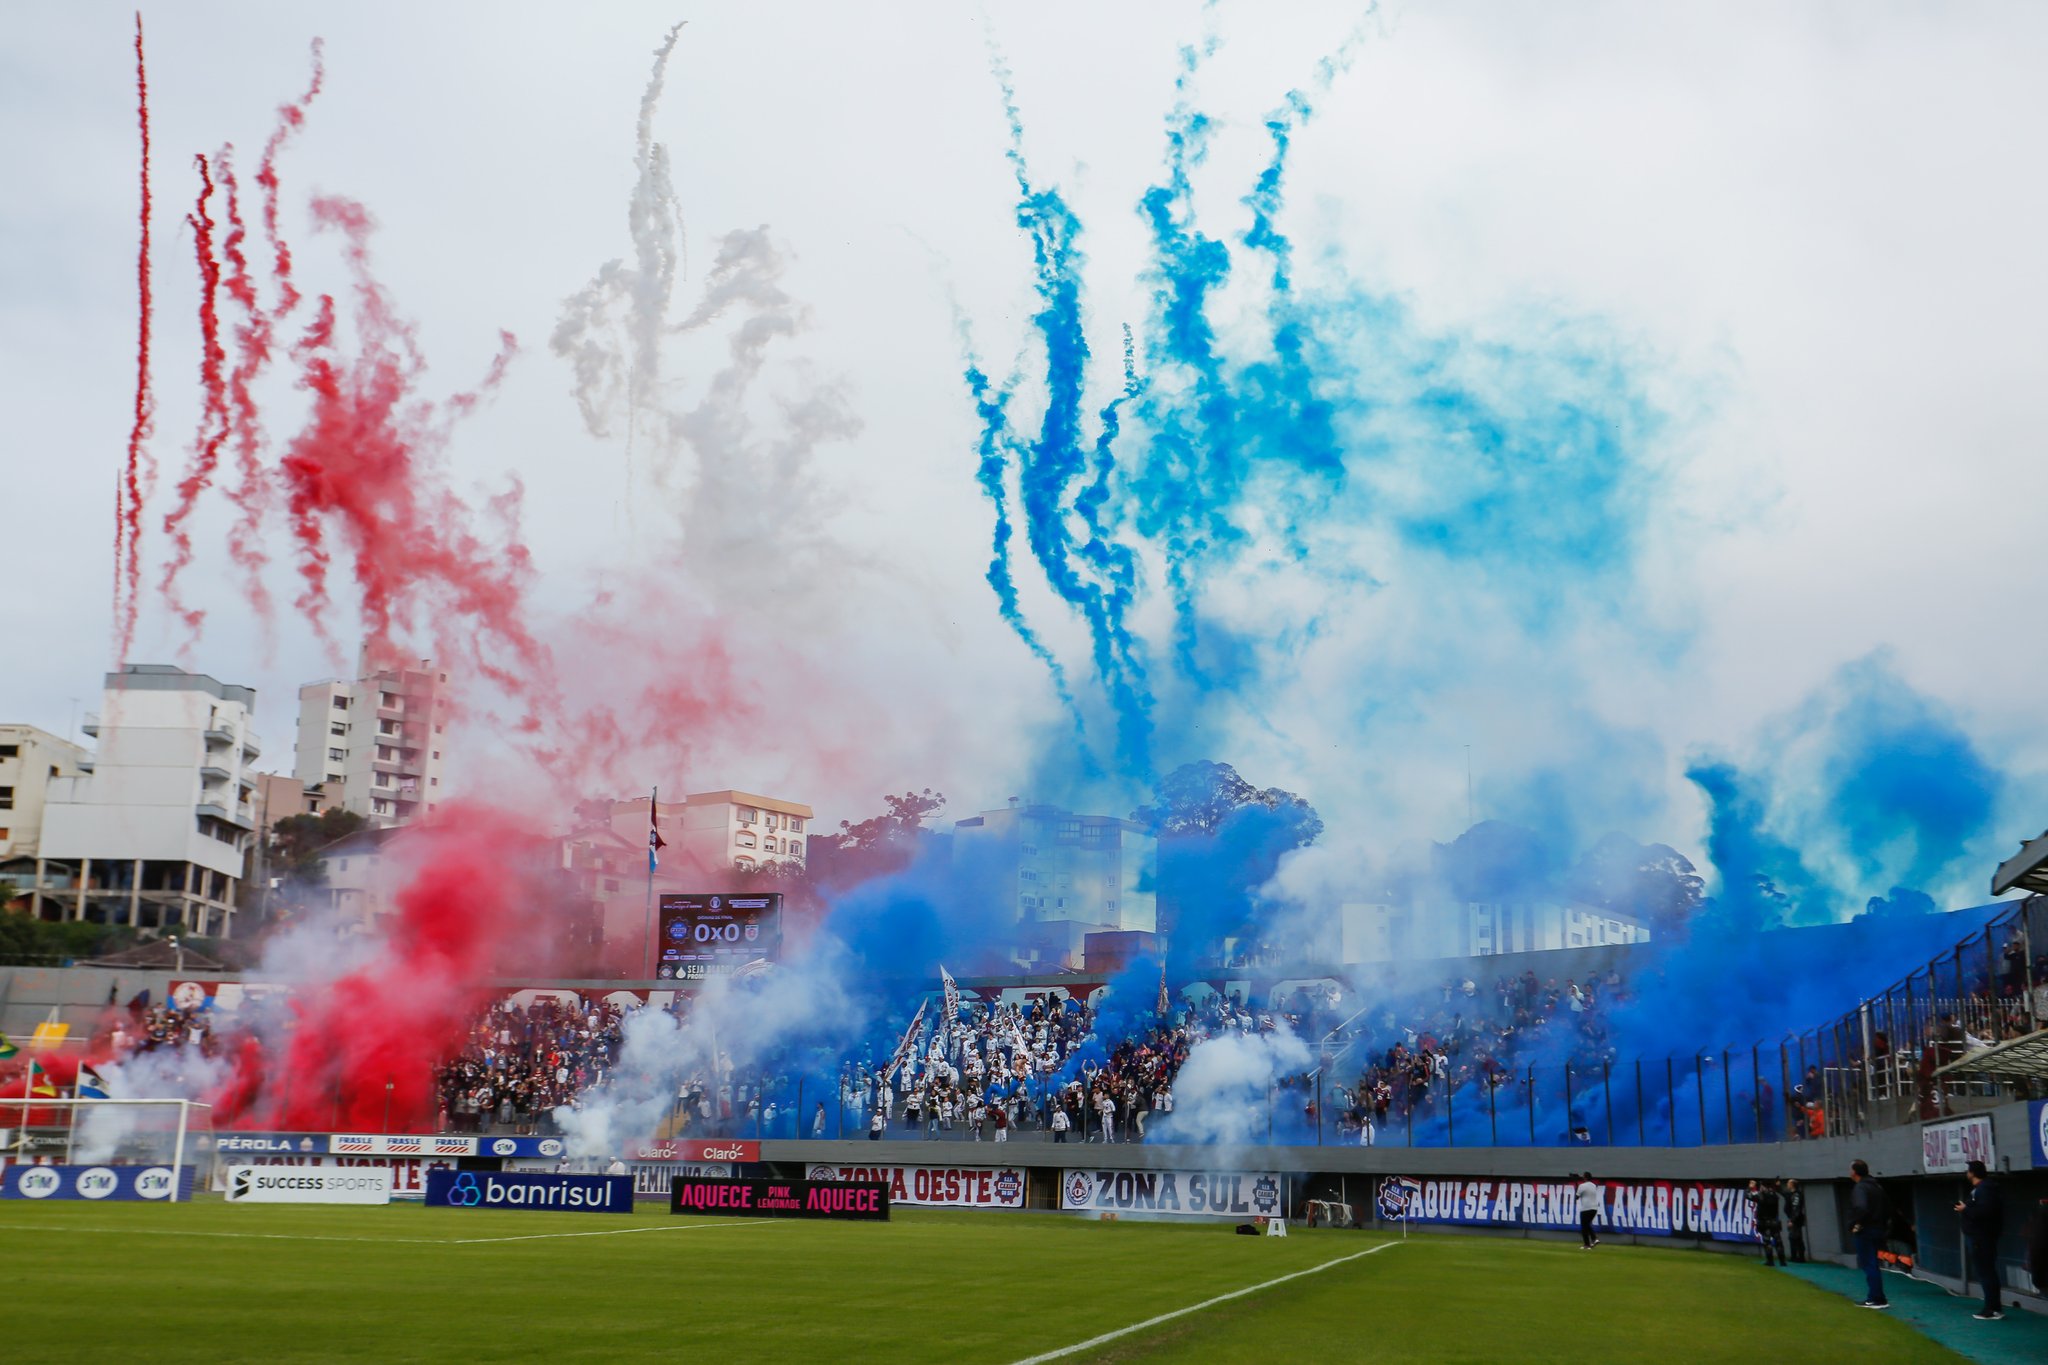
(174, 1134)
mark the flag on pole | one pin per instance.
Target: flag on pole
(39, 1084)
(7, 1049)
(952, 1018)
(1165, 1005)
(89, 1086)
(655, 843)
(904, 1049)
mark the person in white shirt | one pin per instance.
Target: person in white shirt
(1060, 1122)
(618, 1167)
(1589, 1209)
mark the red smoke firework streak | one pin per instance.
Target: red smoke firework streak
(213, 419)
(363, 470)
(138, 473)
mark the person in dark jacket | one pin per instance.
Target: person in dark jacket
(1795, 1220)
(2037, 1246)
(1764, 1196)
(1869, 1215)
(1983, 1211)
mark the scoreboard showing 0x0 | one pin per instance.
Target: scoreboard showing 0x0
(707, 935)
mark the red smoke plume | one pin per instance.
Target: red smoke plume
(386, 1023)
(138, 473)
(213, 417)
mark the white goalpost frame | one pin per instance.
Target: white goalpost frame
(72, 1104)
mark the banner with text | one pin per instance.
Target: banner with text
(530, 1190)
(95, 1182)
(944, 1187)
(408, 1173)
(1198, 1194)
(1948, 1148)
(759, 1197)
(1649, 1208)
(317, 1185)
(697, 1150)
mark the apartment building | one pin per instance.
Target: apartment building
(30, 759)
(1065, 875)
(155, 834)
(373, 744)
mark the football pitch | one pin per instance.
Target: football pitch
(218, 1282)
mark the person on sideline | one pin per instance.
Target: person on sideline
(1795, 1220)
(1589, 1209)
(1869, 1215)
(1769, 1222)
(1983, 1210)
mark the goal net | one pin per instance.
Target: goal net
(149, 1149)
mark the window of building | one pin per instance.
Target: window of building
(1028, 874)
(437, 755)
(4, 834)
(744, 840)
(433, 782)
(796, 824)
(611, 884)
(387, 701)
(338, 755)
(10, 751)
(341, 865)
(1070, 829)
(743, 864)
(6, 798)
(747, 814)
(796, 848)
(341, 703)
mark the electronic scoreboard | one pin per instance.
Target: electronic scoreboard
(713, 934)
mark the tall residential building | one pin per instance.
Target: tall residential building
(1066, 875)
(723, 829)
(156, 835)
(373, 744)
(30, 759)
(1396, 933)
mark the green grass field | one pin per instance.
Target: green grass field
(218, 1282)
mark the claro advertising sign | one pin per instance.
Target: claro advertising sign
(308, 1185)
(530, 1190)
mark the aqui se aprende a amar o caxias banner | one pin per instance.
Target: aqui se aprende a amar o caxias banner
(1649, 1208)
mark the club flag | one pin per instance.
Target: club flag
(952, 1018)
(906, 1049)
(39, 1086)
(655, 843)
(90, 1086)
(1165, 1004)
(7, 1049)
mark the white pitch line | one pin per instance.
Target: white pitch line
(387, 1241)
(611, 1232)
(1108, 1337)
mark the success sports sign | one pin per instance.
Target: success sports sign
(1649, 1208)
(944, 1187)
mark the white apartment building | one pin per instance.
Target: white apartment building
(1394, 933)
(1066, 875)
(156, 835)
(373, 744)
(722, 829)
(30, 759)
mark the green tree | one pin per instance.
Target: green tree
(296, 841)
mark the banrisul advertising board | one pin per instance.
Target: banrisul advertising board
(527, 1190)
(1198, 1194)
(1648, 1208)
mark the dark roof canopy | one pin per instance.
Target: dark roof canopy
(2026, 870)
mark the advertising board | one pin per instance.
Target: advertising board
(759, 1197)
(2037, 1133)
(530, 1190)
(942, 1187)
(1650, 1208)
(145, 1183)
(408, 1173)
(697, 1149)
(1947, 1148)
(1186, 1194)
(308, 1185)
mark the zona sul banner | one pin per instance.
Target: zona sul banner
(948, 1187)
(530, 1190)
(757, 1197)
(1650, 1208)
(1196, 1194)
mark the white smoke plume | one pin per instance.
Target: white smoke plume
(1222, 1093)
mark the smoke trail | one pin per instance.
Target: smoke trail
(213, 419)
(611, 331)
(140, 471)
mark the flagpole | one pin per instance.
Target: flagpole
(647, 953)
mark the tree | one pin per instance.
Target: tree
(1654, 883)
(1196, 798)
(900, 825)
(296, 841)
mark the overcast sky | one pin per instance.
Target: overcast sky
(1816, 229)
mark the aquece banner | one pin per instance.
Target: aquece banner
(1650, 1208)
